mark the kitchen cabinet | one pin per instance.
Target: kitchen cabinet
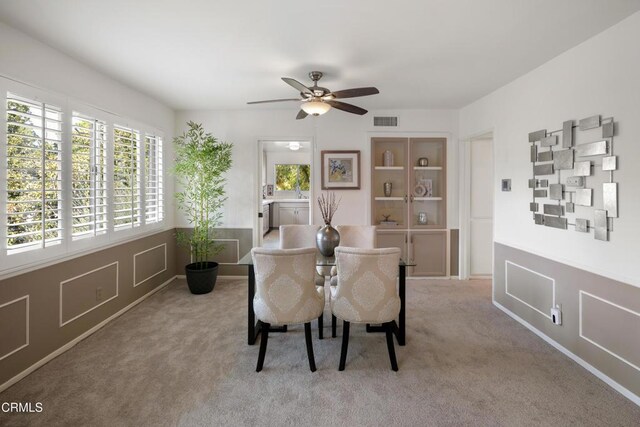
(288, 215)
(266, 218)
(291, 213)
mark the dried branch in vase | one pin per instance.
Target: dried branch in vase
(328, 206)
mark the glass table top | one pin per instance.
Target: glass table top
(321, 261)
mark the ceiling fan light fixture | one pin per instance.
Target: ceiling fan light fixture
(315, 108)
(294, 145)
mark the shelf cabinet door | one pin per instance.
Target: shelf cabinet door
(427, 184)
(394, 205)
(393, 239)
(428, 250)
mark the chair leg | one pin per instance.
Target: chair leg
(307, 337)
(320, 325)
(390, 347)
(263, 346)
(333, 326)
(345, 345)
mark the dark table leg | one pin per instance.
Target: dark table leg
(402, 283)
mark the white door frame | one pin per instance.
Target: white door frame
(465, 200)
(257, 229)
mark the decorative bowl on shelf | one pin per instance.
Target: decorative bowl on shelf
(419, 190)
(423, 162)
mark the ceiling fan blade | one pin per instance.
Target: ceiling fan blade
(301, 115)
(274, 100)
(352, 93)
(297, 85)
(347, 107)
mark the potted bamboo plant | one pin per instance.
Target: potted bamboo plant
(201, 164)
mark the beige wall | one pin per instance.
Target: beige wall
(600, 316)
(46, 309)
(235, 242)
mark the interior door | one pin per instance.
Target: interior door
(481, 208)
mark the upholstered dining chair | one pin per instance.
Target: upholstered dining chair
(286, 293)
(303, 236)
(357, 236)
(353, 236)
(366, 292)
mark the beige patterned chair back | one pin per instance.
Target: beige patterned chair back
(285, 286)
(366, 291)
(298, 236)
(357, 236)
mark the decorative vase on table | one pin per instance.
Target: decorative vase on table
(327, 240)
(327, 237)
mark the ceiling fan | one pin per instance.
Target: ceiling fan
(318, 100)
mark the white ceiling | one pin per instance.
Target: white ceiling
(203, 54)
(283, 147)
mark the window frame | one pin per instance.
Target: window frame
(91, 117)
(20, 262)
(43, 186)
(158, 170)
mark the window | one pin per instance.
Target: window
(126, 178)
(154, 194)
(71, 178)
(88, 176)
(34, 174)
(290, 177)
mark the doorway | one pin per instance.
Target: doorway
(285, 187)
(478, 207)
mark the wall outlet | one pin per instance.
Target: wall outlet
(98, 294)
(556, 315)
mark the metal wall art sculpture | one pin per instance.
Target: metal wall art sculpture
(569, 168)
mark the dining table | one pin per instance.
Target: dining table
(254, 328)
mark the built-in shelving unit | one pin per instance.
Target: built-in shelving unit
(427, 168)
(389, 199)
(413, 216)
(389, 168)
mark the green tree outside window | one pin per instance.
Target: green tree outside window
(289, 176)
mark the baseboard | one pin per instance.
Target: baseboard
(79, 338)
(222, 276)
(608, 380)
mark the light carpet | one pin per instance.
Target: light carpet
(182, 359)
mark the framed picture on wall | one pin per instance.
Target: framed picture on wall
(340, 170)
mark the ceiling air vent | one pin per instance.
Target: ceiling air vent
(385, 121)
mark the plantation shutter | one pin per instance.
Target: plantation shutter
(88, 176)
(127, 210)
(34, 177)
(154, 191)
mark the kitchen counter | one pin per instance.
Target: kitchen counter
(270, 201)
